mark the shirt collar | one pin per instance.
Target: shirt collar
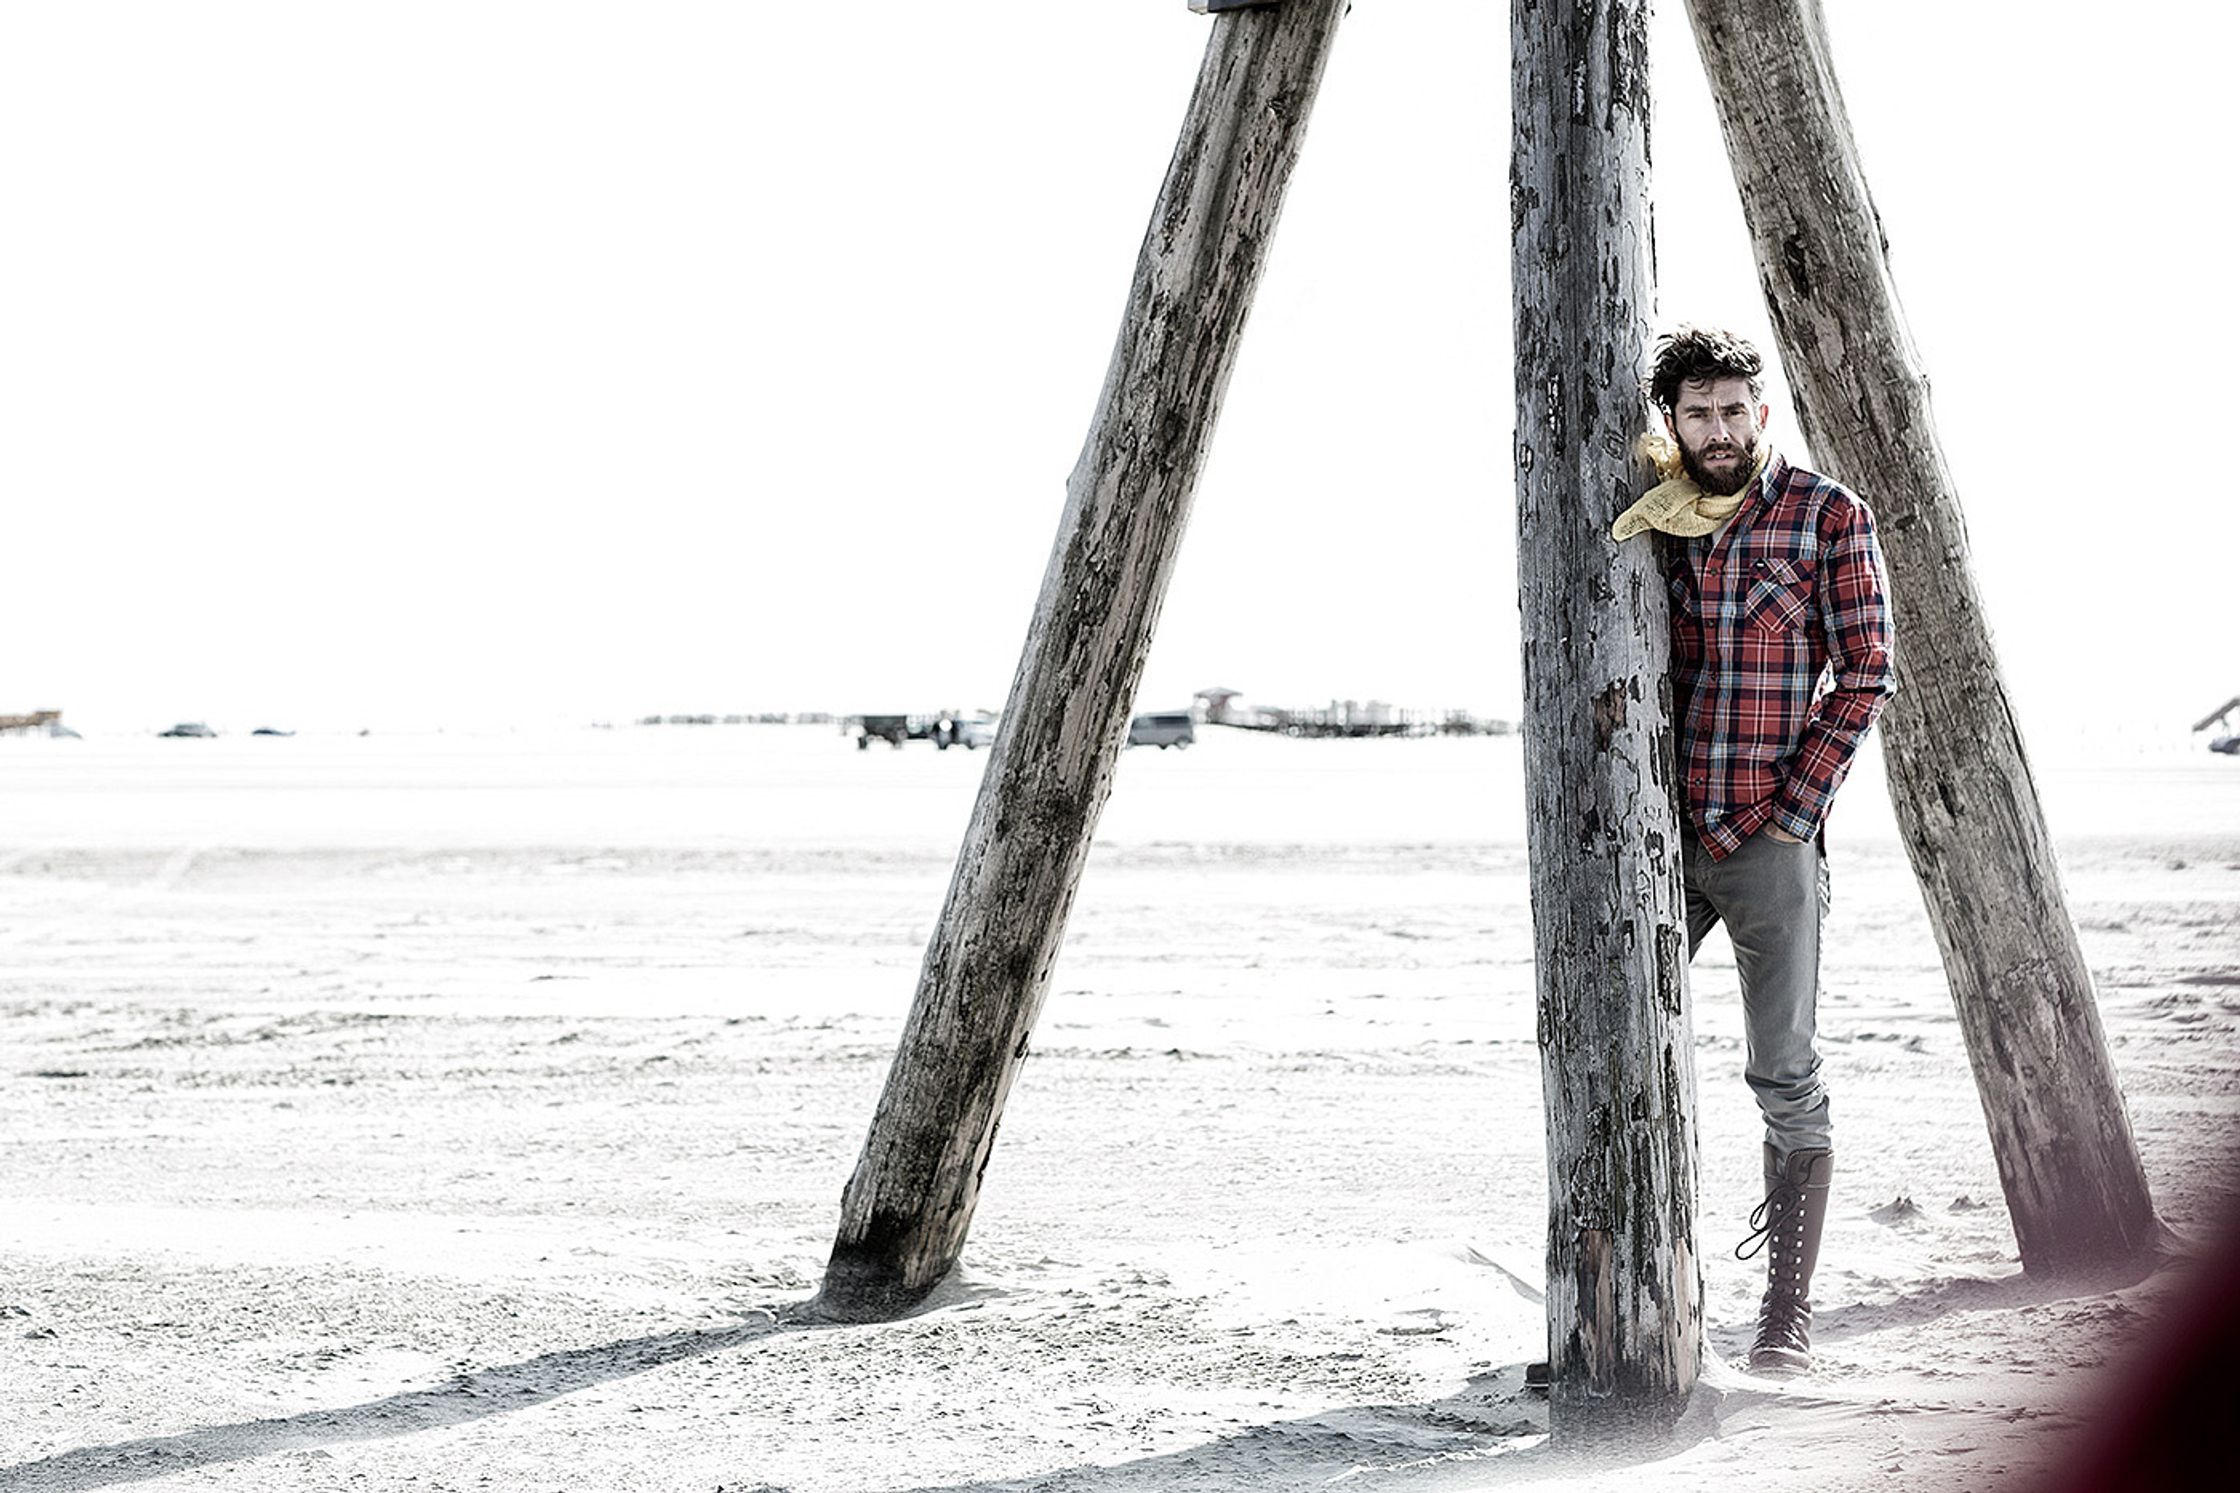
(1759, 492)
(1767, 482)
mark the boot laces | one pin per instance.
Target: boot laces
(1780, 1205)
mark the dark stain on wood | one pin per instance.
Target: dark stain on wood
(1609, 713)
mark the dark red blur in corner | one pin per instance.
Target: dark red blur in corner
(2166, 1414)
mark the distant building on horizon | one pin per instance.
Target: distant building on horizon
(1222, 706)
(37, 723)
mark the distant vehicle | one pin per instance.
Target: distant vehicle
(270, 731)
(1162, 729)
(945, 729)
(968, 731)
(894, 730)
(188, 728)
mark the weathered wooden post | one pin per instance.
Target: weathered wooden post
(909, 1203)
(1625, 1292)
(1959, 778)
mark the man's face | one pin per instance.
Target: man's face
(1716, 423)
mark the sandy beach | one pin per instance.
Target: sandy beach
(463, 1112)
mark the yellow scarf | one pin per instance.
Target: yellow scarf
(1677, 505)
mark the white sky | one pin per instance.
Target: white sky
(404, 363)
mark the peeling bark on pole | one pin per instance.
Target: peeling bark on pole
(1625, 1292)
(905, 1212)
(1958, 775)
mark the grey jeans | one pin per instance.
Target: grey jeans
(1772, 897)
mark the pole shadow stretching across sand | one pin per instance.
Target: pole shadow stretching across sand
(1932, 1299)
(1493, 1433)
(465, 1397)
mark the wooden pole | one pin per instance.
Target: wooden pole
(1959, 777)
(1625, 1292)
(905, 1212)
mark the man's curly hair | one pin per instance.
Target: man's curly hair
(1700, 352)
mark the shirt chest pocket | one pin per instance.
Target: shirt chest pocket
(1779, 596)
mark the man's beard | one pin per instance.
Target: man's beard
(1721, 485)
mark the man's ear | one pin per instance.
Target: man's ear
(1669, 428)
(1765, 416)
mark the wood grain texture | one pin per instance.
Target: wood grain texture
(906, 1209)
(1625, 1293)
(1959, 777)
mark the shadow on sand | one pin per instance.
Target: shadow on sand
(1494, 1420)
(1941, 1298)
(1492, 1433)
(485, 1392)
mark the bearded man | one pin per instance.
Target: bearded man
(1780, 663)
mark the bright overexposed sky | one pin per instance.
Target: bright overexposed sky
(408, 363)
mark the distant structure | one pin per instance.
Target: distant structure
(1222, 706)
(37, 723)
(1212, 705)
(2224, 742)
(755, 718)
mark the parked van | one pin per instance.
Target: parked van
(1162, 729)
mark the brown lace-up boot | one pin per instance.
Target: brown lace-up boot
(1787, 1225)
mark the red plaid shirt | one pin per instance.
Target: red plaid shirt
(1788, 595)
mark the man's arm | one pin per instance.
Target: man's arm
(1855, 623)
